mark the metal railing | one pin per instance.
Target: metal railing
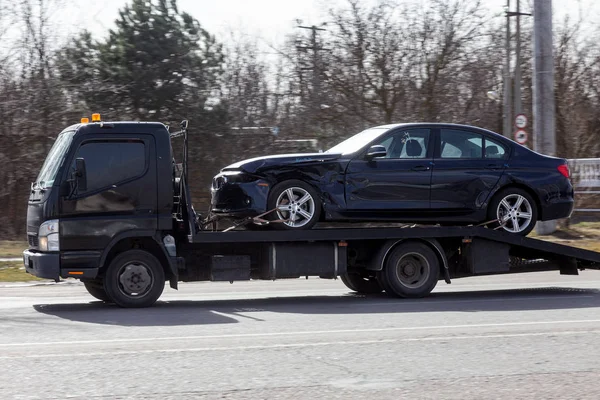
(585, 175)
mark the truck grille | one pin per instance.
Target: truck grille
(33, 240)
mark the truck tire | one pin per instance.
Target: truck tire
(361, 284)
(134, 279)
(96, 289)
(411, 270)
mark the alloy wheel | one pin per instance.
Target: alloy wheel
(514, 213)
(295, 205)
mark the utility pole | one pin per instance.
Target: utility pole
(518, 108)
(543, 89)
(316, 78)
(507, 108)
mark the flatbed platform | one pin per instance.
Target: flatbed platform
(536, 248)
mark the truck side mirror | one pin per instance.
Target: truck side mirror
(80, 174)
(376, 151)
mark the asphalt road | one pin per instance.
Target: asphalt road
(505, 337)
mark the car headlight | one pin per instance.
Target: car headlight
(48, 236)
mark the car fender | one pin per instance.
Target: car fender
(326, 177)
(509, 179)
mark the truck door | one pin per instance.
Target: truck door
(121, 191)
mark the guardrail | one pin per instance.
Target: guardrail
(585, 175)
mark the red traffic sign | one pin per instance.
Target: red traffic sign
(521, 136)
(521, 121)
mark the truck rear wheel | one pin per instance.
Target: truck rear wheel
(96, 289)
(411, 270)
(134, 278)
(361, 284)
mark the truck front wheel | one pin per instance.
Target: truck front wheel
(134, 278)
(96, 289)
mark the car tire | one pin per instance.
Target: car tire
(307, 213)
(361, 284)
(134, 270)
(510, 196)
(96, 289)
(411, 270)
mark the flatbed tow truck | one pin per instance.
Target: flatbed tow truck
(112, 208)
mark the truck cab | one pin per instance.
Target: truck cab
(104, 187)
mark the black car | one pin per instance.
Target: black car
(425, 173)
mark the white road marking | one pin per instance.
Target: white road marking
(298, 333)
(300, 345)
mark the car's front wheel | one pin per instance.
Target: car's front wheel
(515, 211)
(297, 205)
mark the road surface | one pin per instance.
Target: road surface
(505, 337)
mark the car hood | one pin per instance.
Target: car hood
(261, 163)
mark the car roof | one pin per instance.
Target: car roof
(437, 124)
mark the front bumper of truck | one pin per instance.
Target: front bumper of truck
(42, 265)
(55, 265)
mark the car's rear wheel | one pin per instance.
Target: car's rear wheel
(297, 204)
(515, 211)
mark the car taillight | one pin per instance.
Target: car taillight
(564, 169)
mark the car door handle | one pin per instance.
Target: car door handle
(494, 166)
(421, 168)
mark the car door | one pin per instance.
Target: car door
(120, 194)
(399, 181)
(467, 167)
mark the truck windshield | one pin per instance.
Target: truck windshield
(54, 159)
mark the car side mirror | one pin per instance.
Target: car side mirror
(80, 174)
(376, 151)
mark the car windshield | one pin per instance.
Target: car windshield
(358, 141)
(54, 159)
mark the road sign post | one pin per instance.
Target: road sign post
(521, 136)
(521, 121)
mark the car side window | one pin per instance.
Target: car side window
(406, 144)
(494, 149)
(460, 144)
(109, 163)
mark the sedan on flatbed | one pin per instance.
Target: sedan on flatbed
(425, 173)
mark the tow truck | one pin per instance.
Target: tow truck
(112, 208)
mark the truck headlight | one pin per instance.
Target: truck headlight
(48, 236)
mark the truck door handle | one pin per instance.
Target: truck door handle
(421, 168)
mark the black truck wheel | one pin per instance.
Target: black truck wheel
(134, 278)
(411, 270)
(96, 289)
(361, 284)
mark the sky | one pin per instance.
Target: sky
(270, 20)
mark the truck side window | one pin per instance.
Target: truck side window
(109, 163)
